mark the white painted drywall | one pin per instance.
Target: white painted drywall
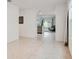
(70, 27)
(61, 13)
(12, 22)
(29, 27)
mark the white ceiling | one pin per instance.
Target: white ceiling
(38, 3)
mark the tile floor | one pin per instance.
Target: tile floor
(44, 47)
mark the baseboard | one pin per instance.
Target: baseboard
(22, 37)
(12, 41)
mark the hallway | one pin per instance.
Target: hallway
(44, 47)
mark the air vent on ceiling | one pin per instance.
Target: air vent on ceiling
(9, 0)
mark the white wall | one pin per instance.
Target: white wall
(61, 12)
(12, 22)
(29, 28)
(70, 27)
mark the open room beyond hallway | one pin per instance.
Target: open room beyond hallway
(44, 47)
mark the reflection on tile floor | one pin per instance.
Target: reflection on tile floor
(44, 47)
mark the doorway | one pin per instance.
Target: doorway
(46, 26)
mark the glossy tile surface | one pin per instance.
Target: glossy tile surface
(43, 47)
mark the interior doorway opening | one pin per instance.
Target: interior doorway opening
(46, 26)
